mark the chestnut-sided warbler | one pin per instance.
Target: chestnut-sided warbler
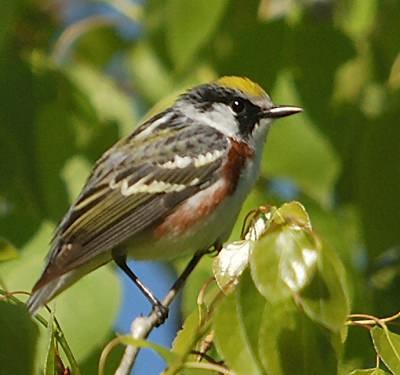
(174, 186)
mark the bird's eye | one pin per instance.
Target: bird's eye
(238, 105)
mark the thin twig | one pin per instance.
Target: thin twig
(142, 326)
(364, 319)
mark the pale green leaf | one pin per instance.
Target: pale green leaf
(387, 345)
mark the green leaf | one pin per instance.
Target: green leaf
(325, 299)
(50, 362)
(370, 371)
(290, 343)
(18, 337)
(289, 253)
(7, 250)
(387, 345)
(251, 306)
(231, 339)
(185, 338)
(189, 26)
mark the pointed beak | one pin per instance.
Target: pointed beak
(281, 111)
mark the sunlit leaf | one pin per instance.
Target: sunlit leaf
(231, 262)
(387, 345)
(284, 260)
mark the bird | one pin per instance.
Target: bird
(172, 187)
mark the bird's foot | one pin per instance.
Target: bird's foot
(161, 312)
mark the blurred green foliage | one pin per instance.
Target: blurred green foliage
(68, 92)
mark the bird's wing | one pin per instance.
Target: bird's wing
(136, 183)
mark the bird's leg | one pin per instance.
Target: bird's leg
(161, 308)
(158, 307)
(189, 268)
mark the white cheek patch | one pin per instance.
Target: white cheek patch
(220, 117)
(198, 161)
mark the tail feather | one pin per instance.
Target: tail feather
(45, 293)
(46, 289)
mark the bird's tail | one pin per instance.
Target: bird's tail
(44, 293)
(47, 288)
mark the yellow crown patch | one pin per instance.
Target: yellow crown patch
(243, 84)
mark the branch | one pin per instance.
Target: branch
(142, 326)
